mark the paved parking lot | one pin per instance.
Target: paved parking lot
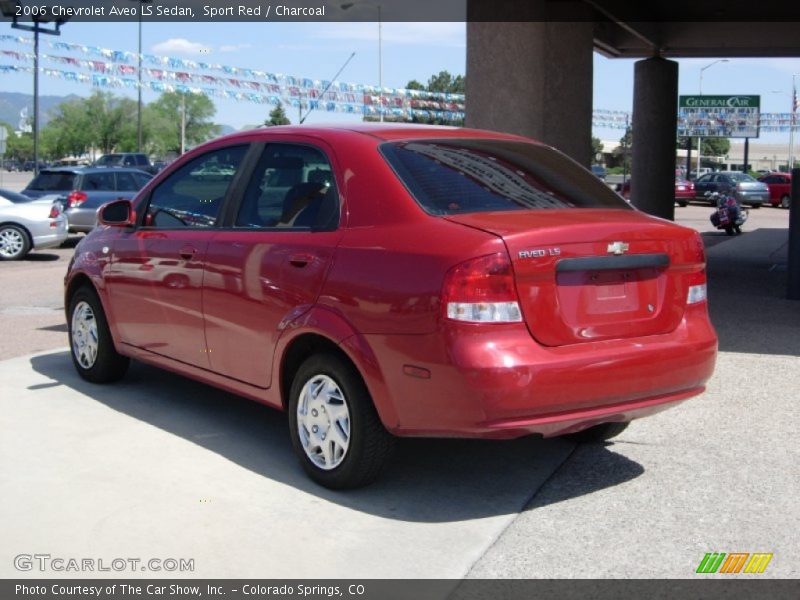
(162, 467)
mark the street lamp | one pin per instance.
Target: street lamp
(139, 86)
(9, 9)
(699, 139)
(349, 5)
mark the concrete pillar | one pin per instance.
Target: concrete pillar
(531, 78)
(655, 102)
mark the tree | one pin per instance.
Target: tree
(277, 116)
(443, 82)
(17, 147)
(597, 147)
(164, 117)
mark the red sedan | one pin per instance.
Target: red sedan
(383, 281)
(780, 188)
(684, 190)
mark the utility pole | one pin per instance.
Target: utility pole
(183, 122)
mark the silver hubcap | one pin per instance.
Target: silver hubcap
(11, 242)
(323, 422)
(785, 202)
(84, 335)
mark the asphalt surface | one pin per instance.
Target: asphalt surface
(158, 466)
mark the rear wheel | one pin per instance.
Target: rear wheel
(785, 201)
(598, 433)
(93, 352)
(14, 242)
(682, 203)
(335, 429)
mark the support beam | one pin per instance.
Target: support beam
(655, 101)
(531, 78)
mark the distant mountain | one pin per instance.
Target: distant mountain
(11, 103)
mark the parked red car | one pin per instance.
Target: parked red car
(382, 281)
(780, 188)
(684, 190)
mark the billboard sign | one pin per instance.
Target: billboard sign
(719, 116)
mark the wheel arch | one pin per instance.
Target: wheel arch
(331, 333)
(24, 229)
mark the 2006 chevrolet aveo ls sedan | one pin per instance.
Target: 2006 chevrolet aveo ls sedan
(396, 281)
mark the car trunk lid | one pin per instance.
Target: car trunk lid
(586, 275)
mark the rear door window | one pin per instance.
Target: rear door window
(53, 181)
(126, 182)
(98, 182)
(292, 187)
(465, 176)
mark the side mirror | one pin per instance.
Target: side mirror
(118, 213)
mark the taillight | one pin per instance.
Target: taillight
(481, 290)
(76, 199)
(697, 288)
(55, 210)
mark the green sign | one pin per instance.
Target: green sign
(719, 116)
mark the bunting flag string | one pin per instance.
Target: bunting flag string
(106, 68)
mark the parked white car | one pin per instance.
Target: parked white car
(27, 224)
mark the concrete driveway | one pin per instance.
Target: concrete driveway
(158, 466)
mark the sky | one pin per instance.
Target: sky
(410, 51)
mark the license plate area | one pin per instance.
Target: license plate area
(593, 297)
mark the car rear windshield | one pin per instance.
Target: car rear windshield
(449, 177)
(53, 181)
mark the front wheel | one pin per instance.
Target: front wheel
(335, 429)
(14, 242)
(785, 201)
(92, 348)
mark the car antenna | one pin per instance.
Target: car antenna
(330, 83)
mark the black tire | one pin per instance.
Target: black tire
(108, 365)
(598, 433)
(683, 204)
(14, 242)
(786, 201)
(369, 444)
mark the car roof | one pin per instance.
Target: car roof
(86, 170)
(380, 131)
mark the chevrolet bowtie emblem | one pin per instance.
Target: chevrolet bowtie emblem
(617, 248)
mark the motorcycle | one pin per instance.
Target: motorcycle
(729, 216)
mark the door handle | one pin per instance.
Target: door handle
(187, 252)
(300, 260)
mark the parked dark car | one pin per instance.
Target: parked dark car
(133, 160)
(600, 171)
(741, 186)
(780, 188)
(382, 281)
(84, 189)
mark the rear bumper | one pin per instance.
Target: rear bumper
(81, 220)
(753, 199)
(54, 237)
(497, 382)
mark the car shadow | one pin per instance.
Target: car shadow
(40, 257)
(429, 480)
(747, 287)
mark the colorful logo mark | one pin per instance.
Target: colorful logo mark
(735, 562)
